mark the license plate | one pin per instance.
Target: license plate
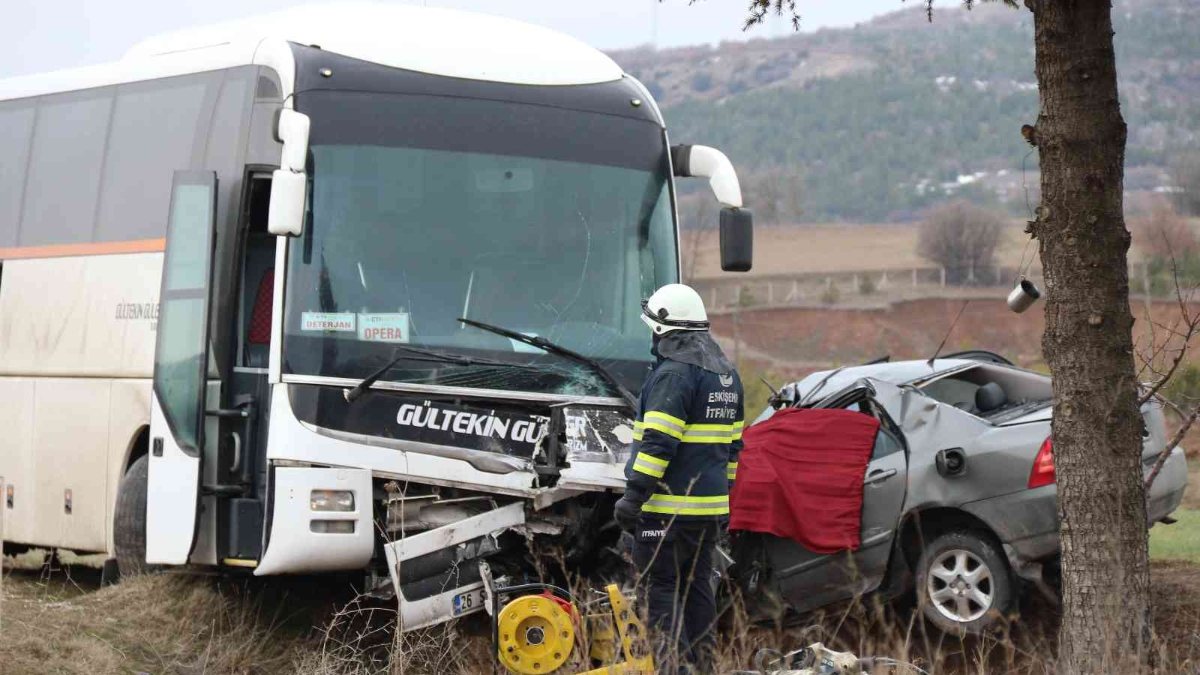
(468, 602)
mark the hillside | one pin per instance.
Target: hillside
(878, 121)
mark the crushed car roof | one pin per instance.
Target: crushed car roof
(897, 372)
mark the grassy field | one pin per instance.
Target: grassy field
(1180, 541)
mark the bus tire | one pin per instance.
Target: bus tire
(129, 519)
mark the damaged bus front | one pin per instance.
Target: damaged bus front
(477, 250)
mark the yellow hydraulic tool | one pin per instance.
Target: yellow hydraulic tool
(535, 634)
(623, 624)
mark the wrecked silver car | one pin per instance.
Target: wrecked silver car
(959, 492)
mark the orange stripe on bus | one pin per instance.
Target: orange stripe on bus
(94, 248)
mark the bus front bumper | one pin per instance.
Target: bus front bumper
(321, 521)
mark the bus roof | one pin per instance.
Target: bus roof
(430, 40)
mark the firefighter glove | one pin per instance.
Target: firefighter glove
(628, 508)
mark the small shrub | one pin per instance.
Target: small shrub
(1184, 387)
(1163, 234)
(1185, 173)
(831, 295)
(755, 390)
(746, 297)
(962, 238)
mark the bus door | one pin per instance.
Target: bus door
(246, 392)
(181, 370)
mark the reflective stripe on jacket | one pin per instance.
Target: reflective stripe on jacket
(686, 440)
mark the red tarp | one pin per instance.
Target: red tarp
(800, 476)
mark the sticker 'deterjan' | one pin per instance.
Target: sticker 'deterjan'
(383, 327)
(327, 321)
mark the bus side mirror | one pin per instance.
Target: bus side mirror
(737, 240)
(737, 226)
(285, 215)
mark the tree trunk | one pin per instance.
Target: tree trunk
(1088, 341)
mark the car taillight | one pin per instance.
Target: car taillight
(1043, 466)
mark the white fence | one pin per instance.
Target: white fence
(850, 287)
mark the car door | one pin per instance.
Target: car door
(808, 580)
(884, 489)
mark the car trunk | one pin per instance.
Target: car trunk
(1154, 432)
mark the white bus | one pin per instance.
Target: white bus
(208, 246)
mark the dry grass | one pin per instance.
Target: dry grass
(361, 638)
(868, 628)
(61, 621)
(180, 624)
(1025, 645)
(157, 623)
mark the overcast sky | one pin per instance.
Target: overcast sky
(42, 35)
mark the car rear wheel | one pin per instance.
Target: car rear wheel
(963, 583)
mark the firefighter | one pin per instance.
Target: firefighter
(687, 437)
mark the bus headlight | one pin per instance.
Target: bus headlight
(332, 500)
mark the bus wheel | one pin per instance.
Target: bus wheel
(129, 526)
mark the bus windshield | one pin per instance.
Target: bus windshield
(425, 209)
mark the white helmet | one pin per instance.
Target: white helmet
(674, 307)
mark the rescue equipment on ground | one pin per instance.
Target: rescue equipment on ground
(540, 627)
(538, 630)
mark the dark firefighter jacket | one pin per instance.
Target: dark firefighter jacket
(688, 433)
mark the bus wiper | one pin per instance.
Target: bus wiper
(544, 344)
(417, 354)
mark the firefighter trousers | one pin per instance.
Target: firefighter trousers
(676, 582)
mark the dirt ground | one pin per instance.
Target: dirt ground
(828, 248)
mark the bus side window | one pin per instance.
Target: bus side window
(258, 276)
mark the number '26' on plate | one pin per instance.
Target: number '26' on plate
(468, 601)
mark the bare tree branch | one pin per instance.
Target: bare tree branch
(759, 9)
(1191, 323)
(1166, 453)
